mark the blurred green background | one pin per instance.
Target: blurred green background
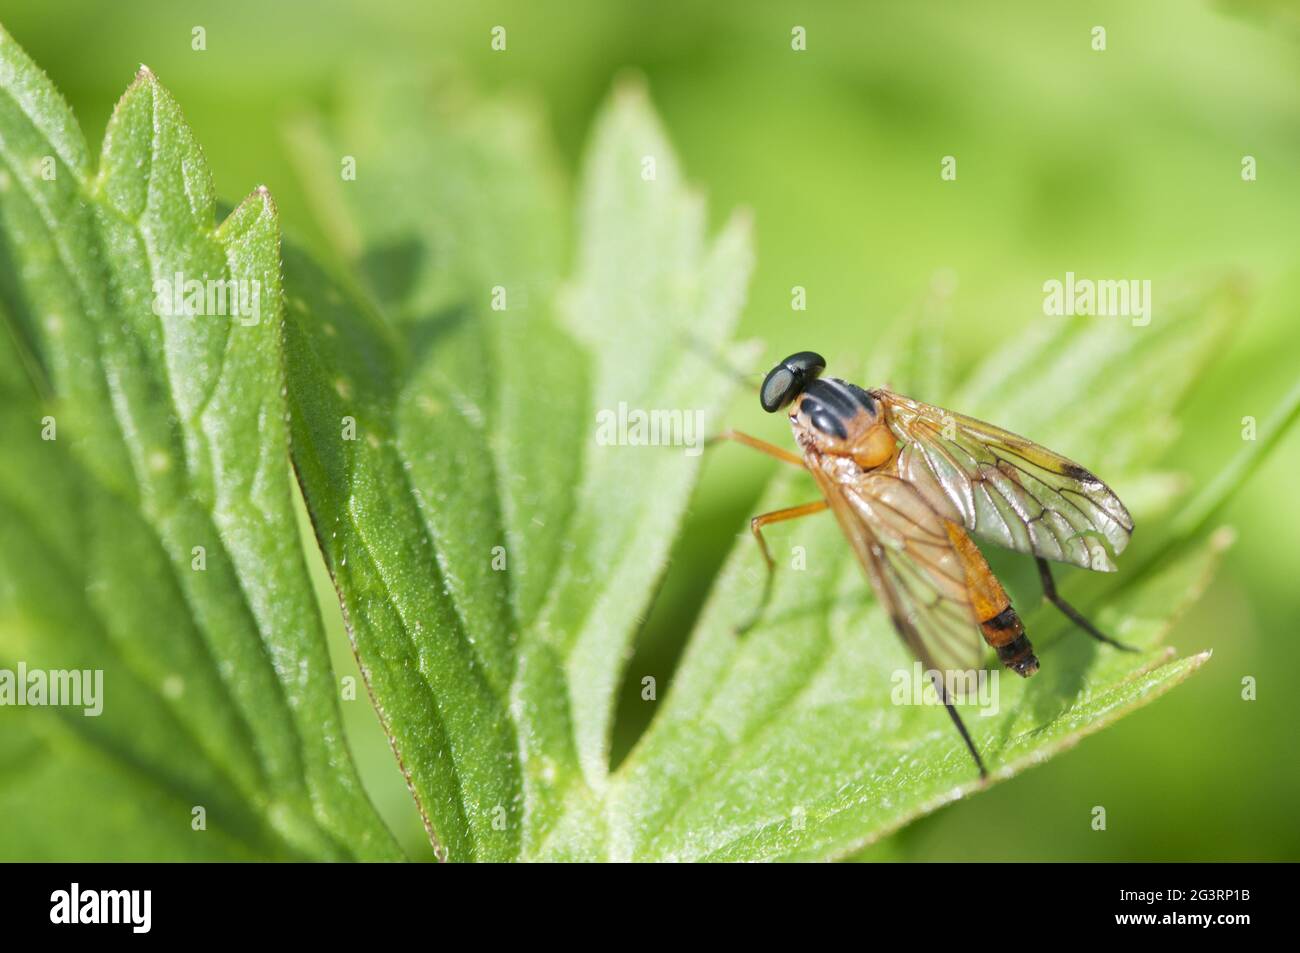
(1123, 163)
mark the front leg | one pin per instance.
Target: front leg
(756, 527)
(762, 446)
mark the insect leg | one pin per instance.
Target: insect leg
(961, 727)
(756, 527)
(761, 445)
(965, 736)
(1071, 613)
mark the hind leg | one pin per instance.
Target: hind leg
(961, 727)
(1070, 612)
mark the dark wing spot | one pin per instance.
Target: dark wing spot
(1076, 472)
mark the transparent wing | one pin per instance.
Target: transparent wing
(1005, 489)
(911, 563)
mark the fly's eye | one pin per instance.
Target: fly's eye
(779, 388)
(785, 381)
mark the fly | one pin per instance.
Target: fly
(910, 484)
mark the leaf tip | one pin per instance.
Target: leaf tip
(257, 204)
(630, 86)
(145, 78)
(742, 218)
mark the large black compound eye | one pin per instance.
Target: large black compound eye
(788, 379)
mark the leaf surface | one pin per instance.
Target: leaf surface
(494, 531)
(147, 530)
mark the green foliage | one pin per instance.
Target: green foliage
(791, 744)
(494, 560)
(475, 444)
(475, 430)
(170, 435)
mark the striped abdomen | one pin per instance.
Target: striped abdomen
(1005, 633)
(999, 623)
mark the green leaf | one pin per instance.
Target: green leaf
(791, 744)
(474, 429)
(133, 438)
(472, 432)
(476, 437)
